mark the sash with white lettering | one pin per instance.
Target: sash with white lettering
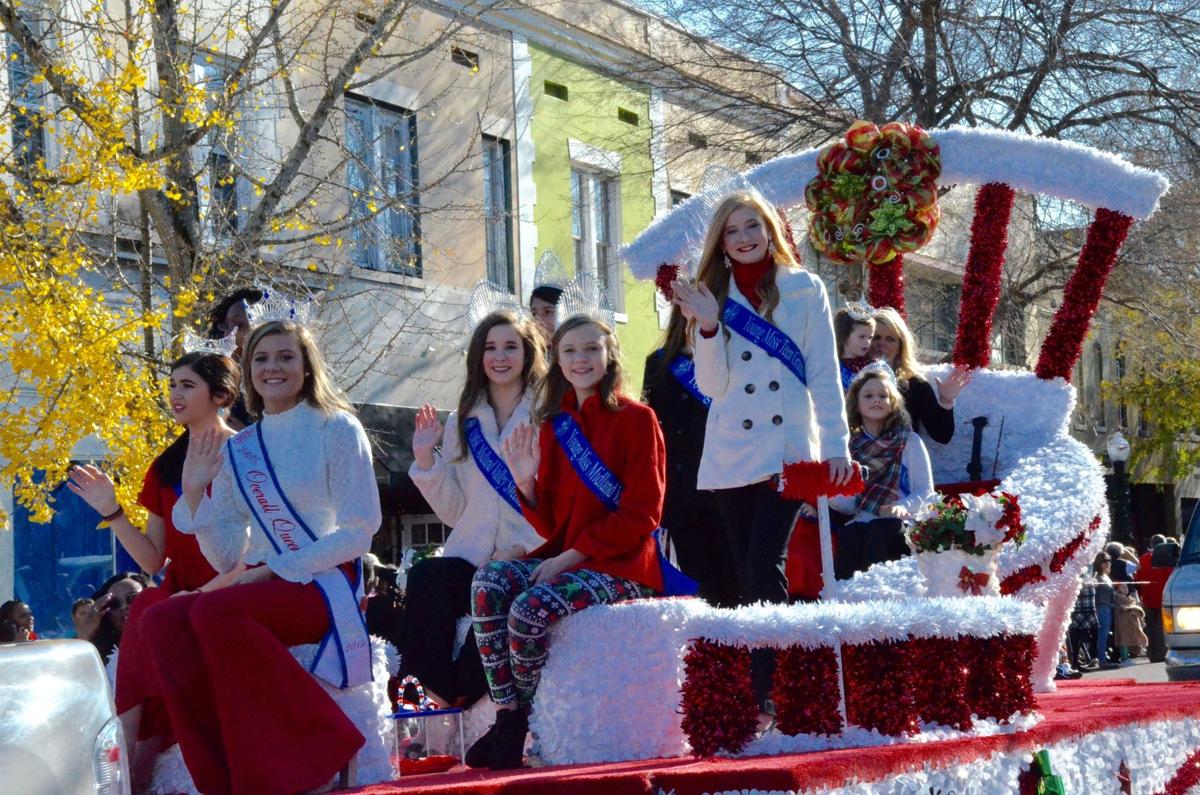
(344, 656)
(491, 465)
(766, 336)
(684, 370)
(603, 482)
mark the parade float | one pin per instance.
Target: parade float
(932, 674)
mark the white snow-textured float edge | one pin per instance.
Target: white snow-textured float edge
(1043, 166)
(1088, 763)
(610, 690)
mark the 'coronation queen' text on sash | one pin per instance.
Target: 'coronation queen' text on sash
(344, 656)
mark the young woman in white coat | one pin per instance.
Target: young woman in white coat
(465, 486)
(765, 354)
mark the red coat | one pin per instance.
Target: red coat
(1152, 593)
(630, 443)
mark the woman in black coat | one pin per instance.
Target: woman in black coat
(691, 517)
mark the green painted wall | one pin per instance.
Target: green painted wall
(589, 115)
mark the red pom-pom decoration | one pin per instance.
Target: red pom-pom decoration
(806, 691)
(719, 708)
(999, 685)
(938, 678)
(665, 275)
(808, 480)
(878, 694)
(885, 285)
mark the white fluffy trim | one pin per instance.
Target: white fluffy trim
(1088, 763)
(1030, 164)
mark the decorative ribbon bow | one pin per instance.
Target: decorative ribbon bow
(970, 581)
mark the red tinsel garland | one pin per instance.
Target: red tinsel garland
(719, 708)
(1060, 558)
(667, 274)
(885, 285)
(878, 694)
(1186, 777)
(981, 277)
(939, 682)
(1081, 296)
(999, 684)
(805, 691)
(1020, 578)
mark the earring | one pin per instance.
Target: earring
(771, 247)
(728, 264)
(222, 411)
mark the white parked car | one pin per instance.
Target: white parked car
(1181, 608)
(59, 731)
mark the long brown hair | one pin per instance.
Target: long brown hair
(533, 367)
(715, 273)
(674, 339)
(554, 385)
(318, 389)
(906, 365)
(899, 416)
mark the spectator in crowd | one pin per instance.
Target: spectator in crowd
(79, 612)
(1104, 608)
(1064, 670)
(1128, 635)
(1123, 569)
(1081, 635)
(16, 622)
(103, 621)
(1152, 593)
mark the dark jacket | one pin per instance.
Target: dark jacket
(922, 405)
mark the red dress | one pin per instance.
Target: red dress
(630, 442)
(187, 570)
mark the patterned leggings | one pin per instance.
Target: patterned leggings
(511, 618)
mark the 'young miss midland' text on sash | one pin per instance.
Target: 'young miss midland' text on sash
(344, 656)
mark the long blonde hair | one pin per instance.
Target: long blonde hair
(318, 389)
(554, 385)
(906, 365)
(533, 368)
(898, 416)
(713, 270)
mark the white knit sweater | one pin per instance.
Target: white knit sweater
(462, 497)
(323, 463)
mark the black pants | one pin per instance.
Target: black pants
(702, 548)
(1157, 651)
(758, 523)
(438, 594)
(861, 545)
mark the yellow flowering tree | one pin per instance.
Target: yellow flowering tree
(142, 176)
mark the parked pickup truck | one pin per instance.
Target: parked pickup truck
(1181, 608)
(59, 731)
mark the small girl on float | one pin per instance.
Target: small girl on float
(853, 327)
(899, 479)
(590, 475)
(471, 490)
(766, 356)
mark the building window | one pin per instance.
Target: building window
(1097, 380)
(753, 159)
(556, 90)
(465, 58)
(594, 208)
(381, 142)
(697, 141)
(28, 130)
(1122, 409)
(627, 116)
(933, 314)
(497, 211)
(678, 197)
(422, 530)
(219, 188)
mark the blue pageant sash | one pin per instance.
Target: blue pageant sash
(684, 370)
(491, 465)
(766, 336)
(344, 656)
(602, 482)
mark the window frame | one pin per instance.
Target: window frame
(27, 106)
(596, 254)
(495, 216)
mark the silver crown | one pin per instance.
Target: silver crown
(550, 272)
(860, 311)
(584, 296)
(877, 367)
(488, 297)
(280, 307)
(194, 343)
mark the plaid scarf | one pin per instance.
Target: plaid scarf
(882, 455)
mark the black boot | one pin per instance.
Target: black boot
(508, 745)
(479, 754)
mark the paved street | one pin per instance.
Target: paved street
(1141, 671)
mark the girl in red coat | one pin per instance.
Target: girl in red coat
(599, 462)
(202, 386)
